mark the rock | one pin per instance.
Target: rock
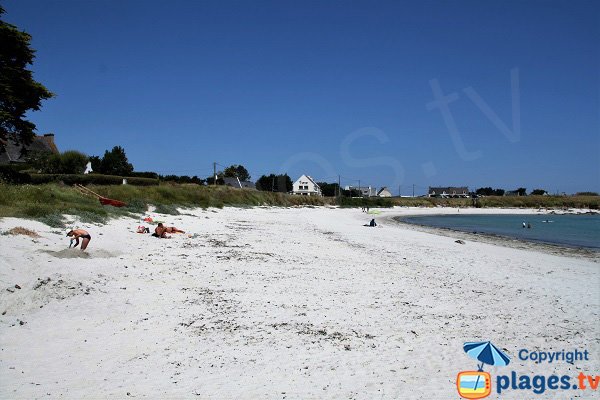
(11, 290)
(17, 287)
(459, 241)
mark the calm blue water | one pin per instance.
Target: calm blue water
(567, 230)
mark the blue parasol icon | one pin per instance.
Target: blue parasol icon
(487, 353)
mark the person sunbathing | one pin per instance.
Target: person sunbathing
(80, 233)
(161, 231)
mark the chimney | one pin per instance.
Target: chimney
(49, 139)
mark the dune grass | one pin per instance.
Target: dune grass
(48, 203)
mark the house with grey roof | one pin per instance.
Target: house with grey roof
(448, 192)
(235, 182)
(365, 191)
(12, 152)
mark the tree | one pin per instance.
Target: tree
(484, 191)
(328, 189)
(19, 92)
(114, 162)
(488, 191)
(538, 192)
(352, 193)
(182, 179)
(73, 162)
(237, 171)
(68, 162)
(275, 183)
(211, 179)
(521, 191)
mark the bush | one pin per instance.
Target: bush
(52, 220)
(96, 179)
(137, 206)
(72, 162)
(11, 174)
(68, 162)
(94, 217)
(144, 174)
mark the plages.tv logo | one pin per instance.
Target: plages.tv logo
(478, 384)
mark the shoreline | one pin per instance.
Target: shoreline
(506, 241)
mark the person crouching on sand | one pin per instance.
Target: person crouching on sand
(161, 231)
(80, 233)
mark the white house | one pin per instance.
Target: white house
(384, 192)
(306, 186)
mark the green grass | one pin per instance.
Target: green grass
(49, 202)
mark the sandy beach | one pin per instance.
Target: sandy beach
(282, 303)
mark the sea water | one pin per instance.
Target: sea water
(568, 230)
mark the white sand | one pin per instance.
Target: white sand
(281, 303)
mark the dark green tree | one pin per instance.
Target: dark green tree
(351, 193)
(488, 191)
(275, 183)
(73, 162)
(328, 189)
(113, 162)
(484, 191)
(211, 179)
(522, 191)
(238, 171)
(19, 92)
(538, 192)
(68, 162)
(182, 179)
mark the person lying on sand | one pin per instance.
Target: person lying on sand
(371, 224)
(80, 233)
(161, 231)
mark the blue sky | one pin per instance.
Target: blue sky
(328, 88)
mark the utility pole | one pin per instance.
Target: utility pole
(273, 185)
(399, 190)
(215, 173)
(339, 187)
(413, 190)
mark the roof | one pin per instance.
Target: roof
(381, 190)
(17, 153)
(236, 183)
(449, 189)
(310, 179)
